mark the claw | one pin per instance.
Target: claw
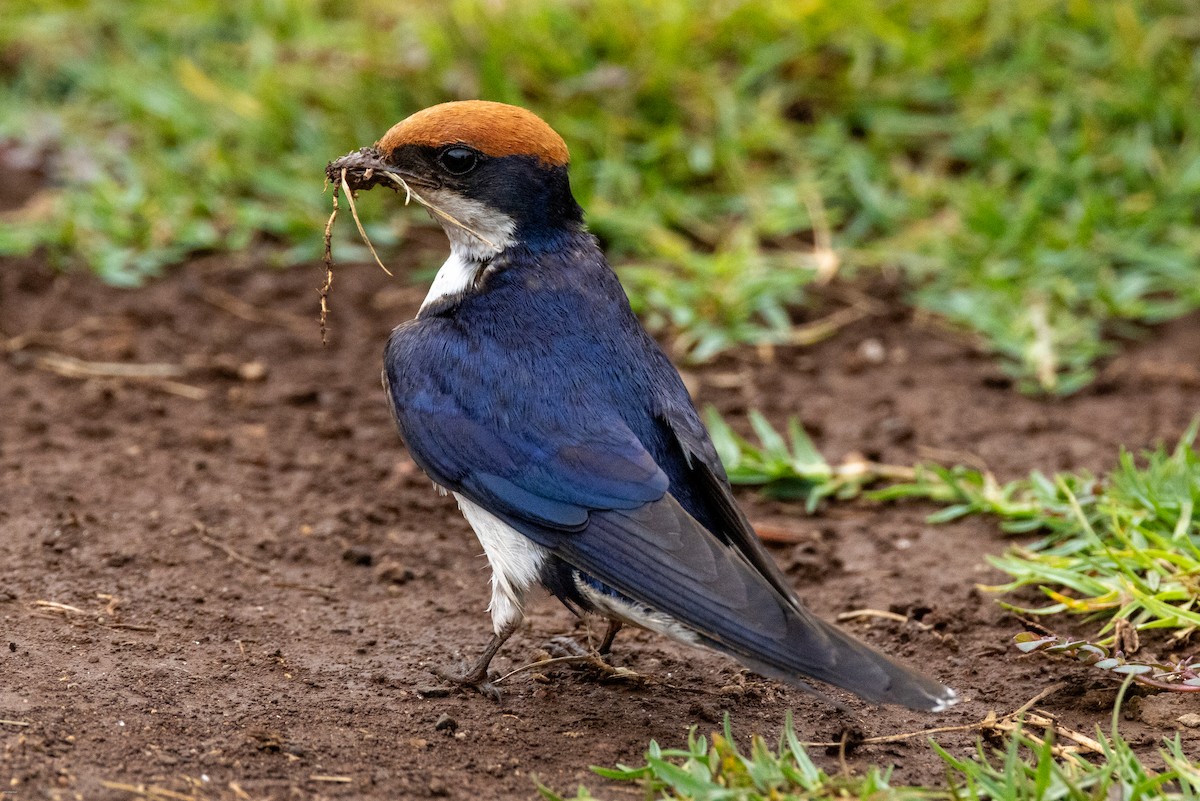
(563, 646)
(473, 678)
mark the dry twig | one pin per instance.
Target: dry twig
(159, 374)
(46, 339)
(71, 367)
(591, 659)
(328, 259)
(55, 606)
(152, 792)
(230, 552)
(325, 592)
(820, 330)
(252, 314)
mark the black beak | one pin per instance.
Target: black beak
(365, 168)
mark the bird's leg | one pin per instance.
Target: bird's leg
(476, 676)
(565, 646)
(610, 634)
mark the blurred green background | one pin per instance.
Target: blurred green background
(1032, 167)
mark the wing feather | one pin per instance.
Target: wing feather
(661, 557)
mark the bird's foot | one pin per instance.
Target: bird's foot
(472, 678)
(585, 659)
(562, 646)
(476, 676)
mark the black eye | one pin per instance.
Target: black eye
(458, 160)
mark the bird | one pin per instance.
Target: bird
(526, 387)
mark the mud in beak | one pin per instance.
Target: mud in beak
(365, 168)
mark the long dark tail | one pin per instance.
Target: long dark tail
(817, 650)
(659, 558)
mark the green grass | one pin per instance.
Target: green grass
(1124, 547)
(1031, 167)
(1025, 768)
(785, 469)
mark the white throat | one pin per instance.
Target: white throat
(456, 275)
(490, 232)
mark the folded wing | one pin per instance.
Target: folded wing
(588, 489)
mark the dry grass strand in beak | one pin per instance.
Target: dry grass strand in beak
(410, 194)
(344, 185)
(361, 231)
(328, 256)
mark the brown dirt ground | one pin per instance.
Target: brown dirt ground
(255, 579)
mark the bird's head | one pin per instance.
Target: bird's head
(493, 175)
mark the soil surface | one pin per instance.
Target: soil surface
(223, 575)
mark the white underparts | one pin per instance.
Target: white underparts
(516, 562)
(636, 614)
(482, 232)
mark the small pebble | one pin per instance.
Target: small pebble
(252, 371)
(1191, 720)
(446, 723)
(872, 351)
(896, 430)
(357, 555)
(392, 572)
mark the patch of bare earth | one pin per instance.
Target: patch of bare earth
(223, 575)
